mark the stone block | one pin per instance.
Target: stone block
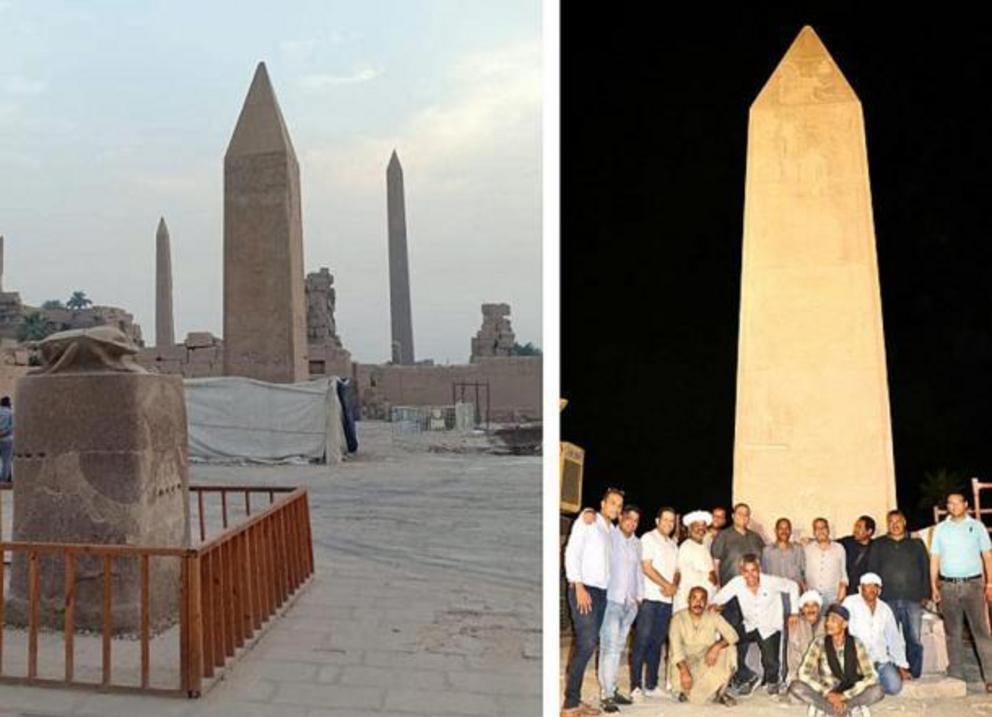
(175, 352)
(199, 339)
(933, 687)
(100, 457)
(204, 355)
(168, 367)
(495, 311)
(201, 370)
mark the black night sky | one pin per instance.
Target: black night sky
(654, 131)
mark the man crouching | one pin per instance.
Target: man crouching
(836, 675)
(699, 667)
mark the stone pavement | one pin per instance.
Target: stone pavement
(426, 598)
(929, 696)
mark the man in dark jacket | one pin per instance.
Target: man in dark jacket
(904, 566)
(857, 547)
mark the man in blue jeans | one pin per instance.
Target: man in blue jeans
(587, 569)
(904, 566)
(659, 561)
(6, 438)
(623, 596)
(873, 622)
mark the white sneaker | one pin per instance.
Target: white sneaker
(812, 711)
(657, 692)
(864, 712)
(637, 695)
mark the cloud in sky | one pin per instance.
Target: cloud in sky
(17, 85)
(114, 116)
(471, 163)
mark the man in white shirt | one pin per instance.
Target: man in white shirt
(587, 569)
(623, 597)
(826, 565)
(695, 564)
(659, 561)
(759, 598)
(874, 623)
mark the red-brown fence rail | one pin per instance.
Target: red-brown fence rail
(230, 586)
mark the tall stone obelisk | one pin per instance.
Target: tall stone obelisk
(264, 306)
(813, 433)
(165, 334)
(400, 312)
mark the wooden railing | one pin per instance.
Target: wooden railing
(229, 587)
(247, 573)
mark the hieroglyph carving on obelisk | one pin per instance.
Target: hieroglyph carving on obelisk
(813, 432)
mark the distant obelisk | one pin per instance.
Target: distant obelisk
(399, 269)
(165, 334)
(264, 306)
(813, 432)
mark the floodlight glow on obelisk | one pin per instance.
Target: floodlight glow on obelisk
(813, 434)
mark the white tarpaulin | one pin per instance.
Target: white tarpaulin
(233, 419)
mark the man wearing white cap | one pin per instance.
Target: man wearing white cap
(695, 564)
(874, 623)
(801, 635)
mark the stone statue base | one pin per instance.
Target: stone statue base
(100, 457)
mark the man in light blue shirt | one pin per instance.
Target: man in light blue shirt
(623, 597)
(6, 438)
(961, 577)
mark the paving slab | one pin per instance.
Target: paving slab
(427, 564)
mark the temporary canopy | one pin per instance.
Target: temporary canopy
(233, 419)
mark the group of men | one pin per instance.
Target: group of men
(837, 623)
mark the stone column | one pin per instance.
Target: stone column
(813, 434)
(100, 456)
(264, 307)
(165, 335)
(400, 312)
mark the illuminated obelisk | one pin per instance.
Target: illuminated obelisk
(813, 432)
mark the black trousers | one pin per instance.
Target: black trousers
(769, 647)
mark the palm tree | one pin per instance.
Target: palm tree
(34, 327)
(528, 349)
(937, 484)
(78, 300)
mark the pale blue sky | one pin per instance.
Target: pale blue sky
(112, 113)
